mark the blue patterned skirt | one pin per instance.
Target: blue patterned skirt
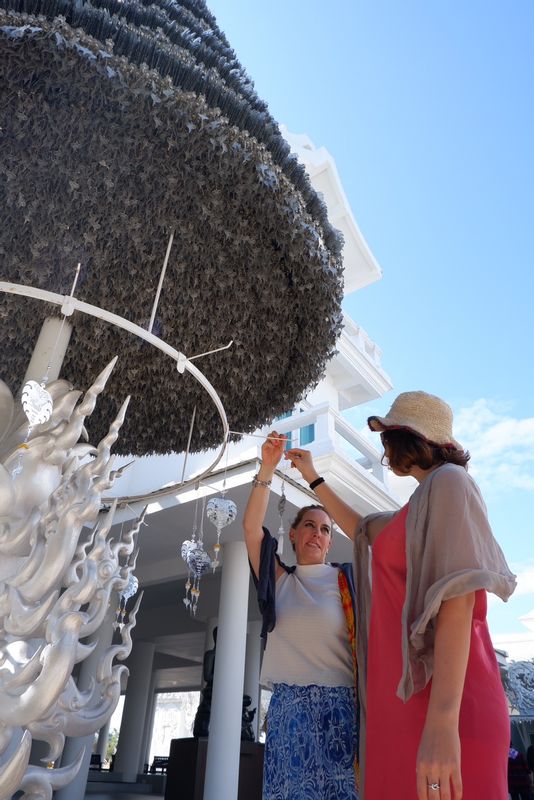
(312, 741)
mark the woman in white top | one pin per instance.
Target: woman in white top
(309, 661)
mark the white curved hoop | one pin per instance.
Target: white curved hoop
(70, 304)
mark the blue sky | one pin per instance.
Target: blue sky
(427, 109)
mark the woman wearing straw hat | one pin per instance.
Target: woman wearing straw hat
(309, 662)
(427, 668)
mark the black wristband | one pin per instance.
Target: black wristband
(317, 482)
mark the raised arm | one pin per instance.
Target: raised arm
(271, 453)
(439, 756)
(343, 515)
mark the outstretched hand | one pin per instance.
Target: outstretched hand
(302, 460)
(272, 450)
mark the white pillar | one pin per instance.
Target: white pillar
(149, 723)
(135, 706)
(102, 743)
(224, 743)
(104, 636)
(252, 670)
(50, 348)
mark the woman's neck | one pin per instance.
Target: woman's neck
(421, 474)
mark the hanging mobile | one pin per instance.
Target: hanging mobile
(187, 546)
(198, 562)
(221, 512)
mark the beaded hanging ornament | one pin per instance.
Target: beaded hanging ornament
(221, 512)
(38, 405)
(129, 590)
(197, 560)
(281, 508)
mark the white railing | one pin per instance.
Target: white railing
(331, 433)
(359, 338)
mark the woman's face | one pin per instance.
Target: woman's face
(312, 537)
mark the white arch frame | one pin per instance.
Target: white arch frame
(70, 304)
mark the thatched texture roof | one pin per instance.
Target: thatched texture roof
(122, 121)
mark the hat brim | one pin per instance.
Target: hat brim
(380, 424)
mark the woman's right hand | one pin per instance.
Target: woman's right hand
(302, 460)
(272, 450)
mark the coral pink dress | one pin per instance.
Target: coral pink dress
(394, 728)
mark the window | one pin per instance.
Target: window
(307, 435)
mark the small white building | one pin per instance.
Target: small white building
(169, 643)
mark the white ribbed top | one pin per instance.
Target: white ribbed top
(309, 644)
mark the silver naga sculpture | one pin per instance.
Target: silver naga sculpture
(58, 572)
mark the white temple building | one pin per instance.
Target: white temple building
(169, 643)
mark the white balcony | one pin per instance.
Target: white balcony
(356, 369)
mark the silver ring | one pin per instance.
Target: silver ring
(434, 786)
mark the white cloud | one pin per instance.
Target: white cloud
(525, 580)
(501, 446)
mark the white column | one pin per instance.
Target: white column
(102, 743)
(135, 706)
(104, 636)
(149, 723)
(252, 670)
(50, 348)
(224, 743)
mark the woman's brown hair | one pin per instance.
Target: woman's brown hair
(406, 450)
(302, 511)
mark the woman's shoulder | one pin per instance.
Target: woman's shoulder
(375, 523)
(449, 486)
(451, 476)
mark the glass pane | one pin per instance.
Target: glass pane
(173, 719)
(307, 435)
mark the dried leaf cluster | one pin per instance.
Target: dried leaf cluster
(122, 121)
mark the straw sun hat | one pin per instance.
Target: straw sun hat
(421, 413)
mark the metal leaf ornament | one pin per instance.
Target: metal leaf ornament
(38, 406)
(220, 512)
(37, 403)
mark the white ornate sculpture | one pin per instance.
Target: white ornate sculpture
(56, 580)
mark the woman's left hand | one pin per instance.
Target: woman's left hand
(438, 763)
